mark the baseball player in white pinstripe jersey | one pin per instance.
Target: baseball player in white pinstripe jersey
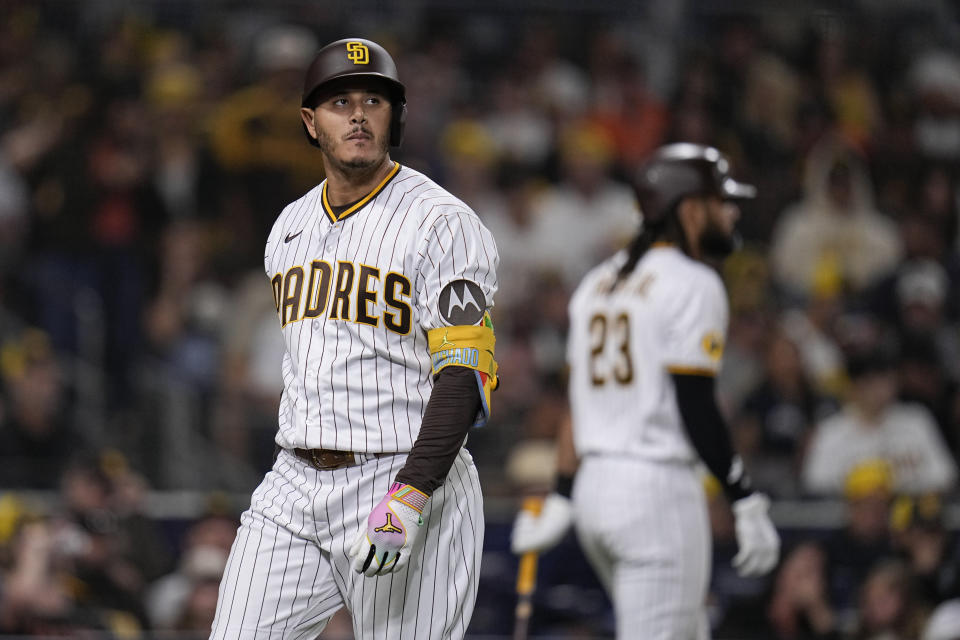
(647, 330)
(382, 283)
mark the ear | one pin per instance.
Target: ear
(692, 218)
(307, 116)
(692, 214)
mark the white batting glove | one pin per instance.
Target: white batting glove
(539, 533)
(757, 539)
(391, 534)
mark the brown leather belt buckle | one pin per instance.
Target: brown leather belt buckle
(326, 459)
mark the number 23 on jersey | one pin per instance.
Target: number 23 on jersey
(610, 360)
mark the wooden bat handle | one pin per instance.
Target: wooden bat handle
(526, 579)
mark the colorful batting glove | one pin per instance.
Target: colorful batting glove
(391, 532)
(757, 539)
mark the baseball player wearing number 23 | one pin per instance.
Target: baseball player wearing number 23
(383, 284)
(647, 328)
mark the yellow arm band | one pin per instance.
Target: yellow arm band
(471, 347)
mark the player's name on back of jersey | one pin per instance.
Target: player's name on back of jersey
(352, 294)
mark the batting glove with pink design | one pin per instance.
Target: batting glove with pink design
(391, 533)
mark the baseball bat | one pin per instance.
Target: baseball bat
(526, 581)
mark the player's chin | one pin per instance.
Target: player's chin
(362, 158)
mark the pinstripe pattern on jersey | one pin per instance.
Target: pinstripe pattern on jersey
(289, 571)
(350, 385)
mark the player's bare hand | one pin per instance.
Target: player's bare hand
(391, 532)
(757, 539)
(539, 533)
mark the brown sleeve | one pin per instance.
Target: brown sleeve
(451, 411)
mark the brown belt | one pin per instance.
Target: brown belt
(327, 459)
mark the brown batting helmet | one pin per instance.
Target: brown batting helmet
(676, 171)
(356, 58)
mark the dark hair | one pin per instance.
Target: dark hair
(869, 362)
(667, 229)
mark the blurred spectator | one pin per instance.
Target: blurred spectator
(845, 85)
(37, 438)
(255, 136)
(245, 411)
(944, 622)
(94, 231)
(521, 130)
(873, 425)
(624, 107)
(512, 220)
(104, 581)
(934, 76)
(199, 609)
(914, 300)
(184, 317)
(889, 608)
(921, 291)
(924, 380)
(864, 540)
(562, 89)
(13, 218)
(747, 278)
(776, 420)
(800, 606)
(769, 110)
(203, 558)
(439, 84)
(35, 600)
(938, 200)
(931, 551)
(184, 170)
(813, 329)
(587, 204)
(138, 538)
(469, 163)
(834, 222)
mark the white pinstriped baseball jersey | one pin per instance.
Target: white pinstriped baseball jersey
(355, 296)
(668, 316)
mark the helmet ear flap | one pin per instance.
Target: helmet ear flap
(397, 121)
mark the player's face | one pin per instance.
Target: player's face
(352, 125)
(718, 238)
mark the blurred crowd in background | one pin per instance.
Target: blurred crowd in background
(146, 148)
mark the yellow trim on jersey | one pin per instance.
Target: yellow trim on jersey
(692, 371)
(471, 347)
(367, 198)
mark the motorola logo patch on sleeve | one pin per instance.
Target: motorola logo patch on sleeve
(462, 303)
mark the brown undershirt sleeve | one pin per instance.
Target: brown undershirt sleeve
(451, 411)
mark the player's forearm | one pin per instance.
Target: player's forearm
(709, 434)
(567, 461)
(450, 413)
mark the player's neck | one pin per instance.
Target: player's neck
(346, 185)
